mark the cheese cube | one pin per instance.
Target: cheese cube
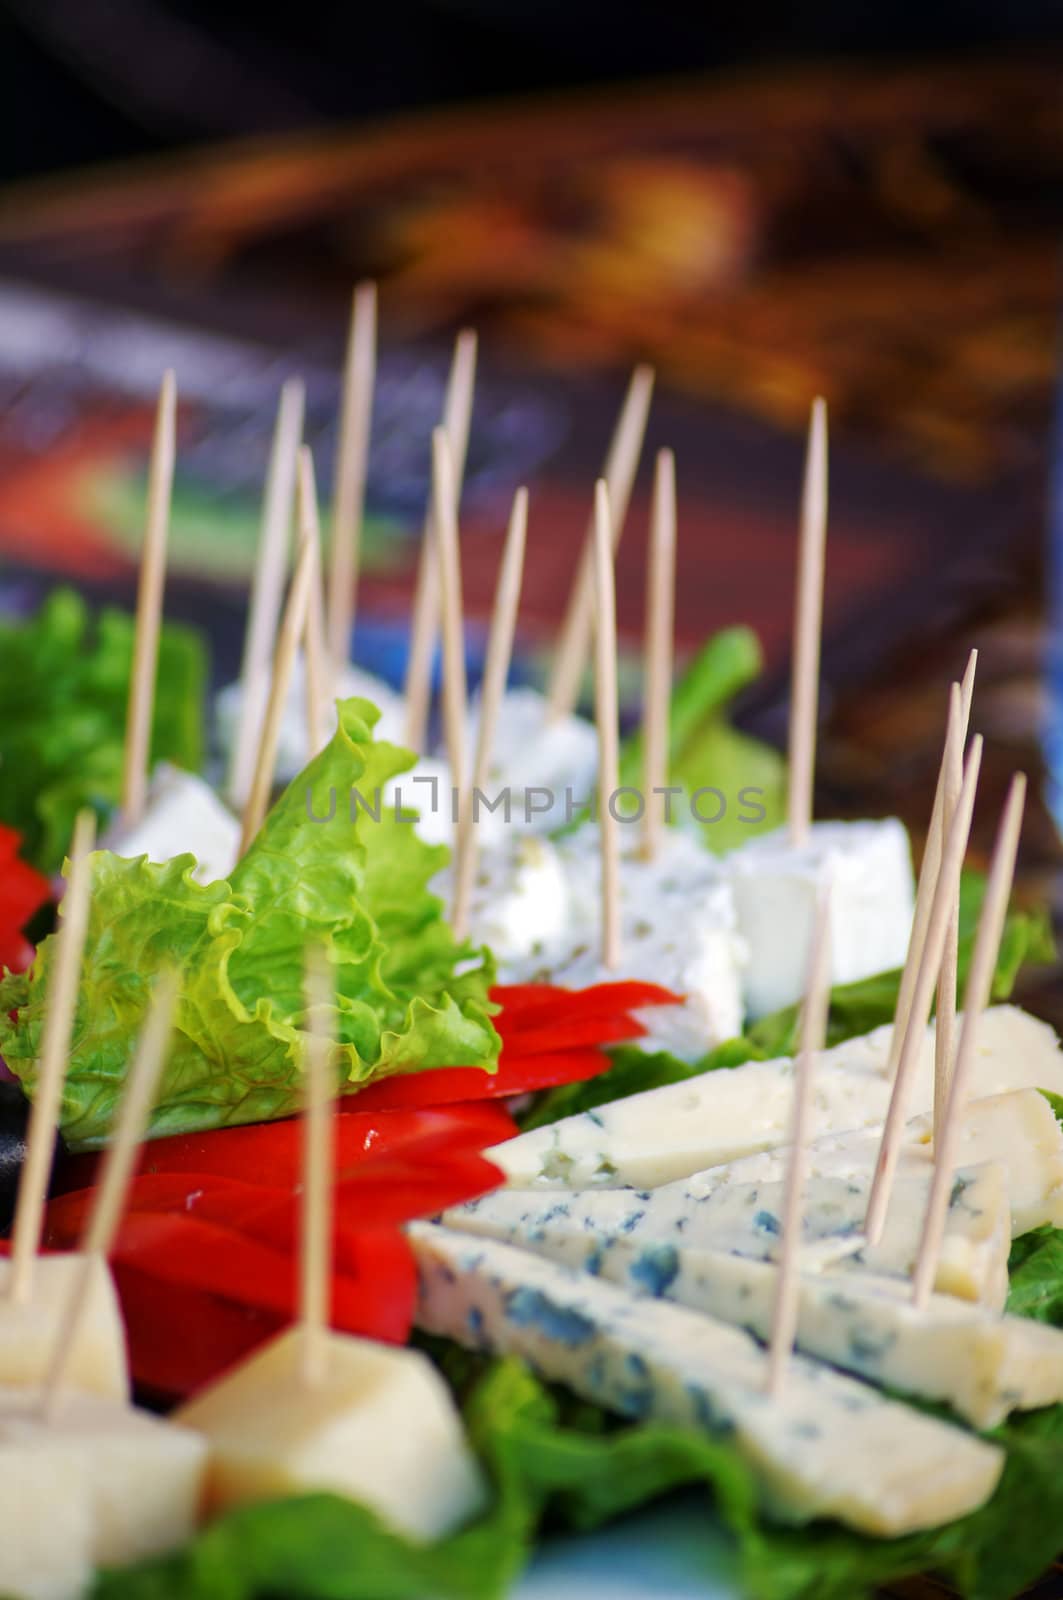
(182, 814)
(144, 1475)
(380, 1427)
(28, 1328)
(828, 1446)
(548, 765)
(682, 1128)
(519, 904)
(869, 868)
(292, 750)
(46, 1521)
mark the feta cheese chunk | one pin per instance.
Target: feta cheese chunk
(869, 868)
(292, 750)
(144, 1476)
(597, 1229)
(671, 1132)
(677, 928)
(548, 765)
(97, 1362)
(829, 1446)
(182, 814)
(379, 1427)
(519, 903)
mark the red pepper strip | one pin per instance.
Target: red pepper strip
(407, 1090)
(579, 1034)
(180, 1339)
(270, 1152)
(23, 890)
(519, 1001)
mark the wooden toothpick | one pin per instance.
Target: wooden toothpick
(267, 588)
(808, 628)
(607, 713)
(448, 560)
(660, 629)
(115, 1174)
(319, 1161)
(945, 892)
(55, 1046)
(141, 703)
(975, 1000)
(316, 656)
(621, 465)
(424, 628)
(947, 979)
(348, 499)
(292, 628)
(928, 873)
(496, 670)
(813, 1038)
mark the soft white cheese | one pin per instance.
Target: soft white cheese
(549, 766)
(46, 1521)
(671, 1132)
(379, 1426)
(97, 1359)
(182, 814)
(829, 1446)
(519, 904)
(869, 868)
(292, 750)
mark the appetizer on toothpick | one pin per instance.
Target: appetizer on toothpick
(424, 624)
(607, 715)
(813, 1038)
(37, 1287)
(618, 474)
(976, 998)
(946, 891)
(267, 588)
(808, 627)
(945, 1010)
(352, 461)
(318, 1410)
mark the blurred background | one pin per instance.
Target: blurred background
(766, 204)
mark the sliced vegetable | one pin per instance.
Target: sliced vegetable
(23, 891)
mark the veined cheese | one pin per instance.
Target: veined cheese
(671, 1132)
(548, 764)
(182, 814)
(519, 904)
(144, 1475)
(829, 1447)
(379, 1426)
(869, 868)
(28, 1328)
(1017, 1130)
(595, 1228)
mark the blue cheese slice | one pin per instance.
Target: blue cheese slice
(829, 1447)
(668, 1133)
(588, 1228)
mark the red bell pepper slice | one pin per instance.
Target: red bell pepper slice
(181, 1339)
(520, 1001)
(408, 1090)
(23, 890)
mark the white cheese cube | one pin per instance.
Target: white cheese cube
(829, 1446)
(182, 814)
(548, 765)
(869, 868)
(28, 1328)
(380, 1427)
(292, 750)
(671, 1132)
(46, 1522)
(144, 1475)
(519, 904)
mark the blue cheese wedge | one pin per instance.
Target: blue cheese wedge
(869, 868)
(593, 1228)
(671, 1132)
(828, 1447)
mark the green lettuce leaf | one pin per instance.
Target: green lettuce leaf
(355, 884)
(706, 751)
(64, 683)
(855, 1009)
